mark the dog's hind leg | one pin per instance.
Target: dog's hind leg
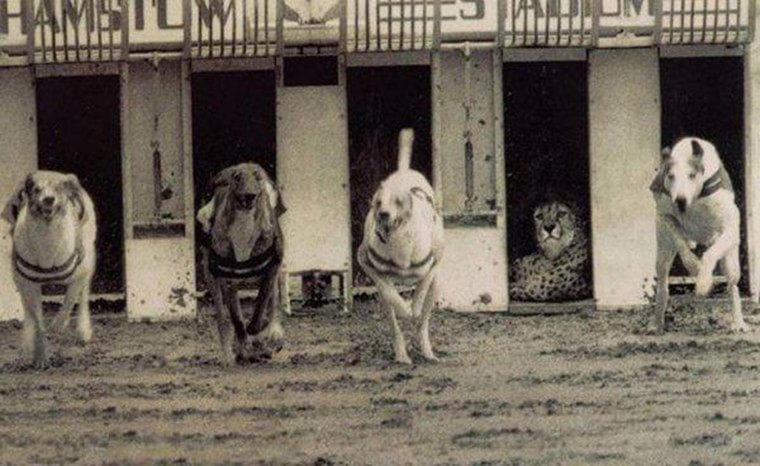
(431, 301)
(730, 266)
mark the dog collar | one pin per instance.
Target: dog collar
(38, 274)
(712, 184)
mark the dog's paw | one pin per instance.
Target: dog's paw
(403, 359)
(740, 327)
(704, 282)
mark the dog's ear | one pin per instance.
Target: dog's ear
(222, 179)
(276, 202)
(17, 199)
(696, 149)
(73, 186)
(666, 152)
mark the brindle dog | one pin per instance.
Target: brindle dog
(243, 246)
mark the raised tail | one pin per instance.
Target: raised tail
(405, 144)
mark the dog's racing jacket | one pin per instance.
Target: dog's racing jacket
(55, 274)
(257, 265)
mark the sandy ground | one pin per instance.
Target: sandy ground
(569, 389)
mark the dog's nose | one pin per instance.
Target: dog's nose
(48, 201)
(383, 215)
(681, 204)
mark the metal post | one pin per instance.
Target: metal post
(124, 29)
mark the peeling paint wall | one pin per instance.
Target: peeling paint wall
(624, 93)
(312, 169)
(18, 156)
(160, 267)
(473, 274)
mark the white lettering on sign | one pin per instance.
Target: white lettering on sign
(160, 21)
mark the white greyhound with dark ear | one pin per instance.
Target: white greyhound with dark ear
(54, 230)
(403, 244)
(695, 205)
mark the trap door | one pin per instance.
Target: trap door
(704, 97)
(79, 131)
(233, 122)
(546, 147)
(312, 171)
(382, 100)
(18, 156)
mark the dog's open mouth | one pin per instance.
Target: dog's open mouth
(245, 201)
(46, 212)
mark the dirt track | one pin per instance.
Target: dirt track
(573, 389)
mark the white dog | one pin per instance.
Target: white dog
(54, 230)
(403, 244)
(695, 205)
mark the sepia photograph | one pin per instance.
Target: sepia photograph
(379, 232)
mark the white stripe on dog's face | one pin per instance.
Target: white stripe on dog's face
(684, 172)
(391, 208)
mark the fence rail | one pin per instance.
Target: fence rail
(108, 30)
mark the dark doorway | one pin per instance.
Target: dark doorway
(382, 101)
(704, 97)
(233, 122)
(79, 131)
(545, 145)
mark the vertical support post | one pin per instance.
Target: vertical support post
(124, 29)
(499, 157)
(280, 47)
(596, 12)
(126, 160)
(435, 94)
(436, 25)
(187, 19)
(31, 31)
(752, 165)
(658, 22)
(187, 155)
(342, 45)
(501, 17)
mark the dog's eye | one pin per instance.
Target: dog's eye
(561, 214)
(671, 176)
(692, 176)
(399, 202)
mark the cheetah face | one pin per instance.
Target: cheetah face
(555, 225)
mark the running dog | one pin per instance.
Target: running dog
(695, 205)
(243, 245)
(53, 229)
(403, 244)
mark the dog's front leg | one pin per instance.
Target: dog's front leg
(35, 340)
(266, 308)
(665, 257)
(384, 287)
(242, 343)
(421, 292)
(61, 321)
(678, 239)
(718, 250)
(84, 321)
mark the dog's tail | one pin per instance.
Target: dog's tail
(405, 143)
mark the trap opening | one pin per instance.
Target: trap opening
(381, 102)
(233, 122)
(78, 124)
(704, 97)
(547, 159)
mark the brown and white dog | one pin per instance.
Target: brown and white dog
(403, 244)
(54, 230)
(695, 205)
(243, 246)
